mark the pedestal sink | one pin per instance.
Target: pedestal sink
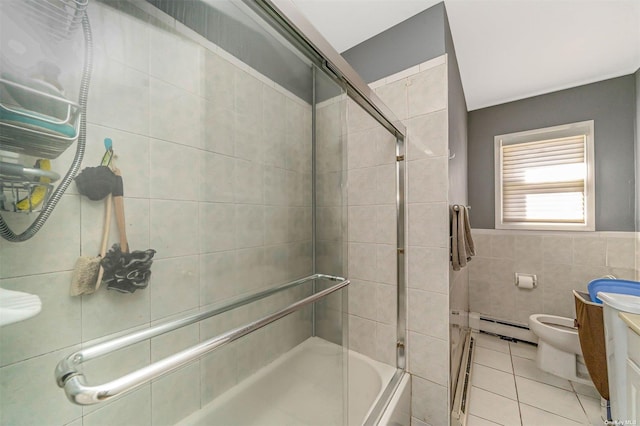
(17, 306)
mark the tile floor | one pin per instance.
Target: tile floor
(508, 389)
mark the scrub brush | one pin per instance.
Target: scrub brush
(87, 274)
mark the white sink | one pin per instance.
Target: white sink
(17, 306)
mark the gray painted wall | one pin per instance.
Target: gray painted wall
(402, 46)
(611, 103)
(457, 110)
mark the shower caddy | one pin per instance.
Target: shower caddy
(43, 124)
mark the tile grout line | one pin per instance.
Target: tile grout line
(515, 384)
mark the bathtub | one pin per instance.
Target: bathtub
(305, 386)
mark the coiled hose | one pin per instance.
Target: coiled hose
(5, 230)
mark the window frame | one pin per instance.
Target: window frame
(585, 128)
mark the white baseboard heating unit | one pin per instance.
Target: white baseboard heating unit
(462, 390)
(479, 322)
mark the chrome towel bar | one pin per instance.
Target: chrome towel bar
(74, 383)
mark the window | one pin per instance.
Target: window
(544, 179)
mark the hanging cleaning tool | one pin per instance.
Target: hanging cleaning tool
(87, 274)
(125, 271)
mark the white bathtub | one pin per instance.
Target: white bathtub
(305, 386)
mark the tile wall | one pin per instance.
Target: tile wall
(331, 212)
(216, 161)
(418, 96)
(562, 262)
(372, 236)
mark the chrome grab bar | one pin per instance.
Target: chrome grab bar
(74, 383)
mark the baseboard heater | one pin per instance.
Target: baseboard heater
(479, 322)
(462, 390)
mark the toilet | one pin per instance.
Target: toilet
(559, 351)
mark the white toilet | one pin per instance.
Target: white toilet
(559, 349)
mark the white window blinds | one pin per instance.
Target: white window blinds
(544, 178)
(545, 181)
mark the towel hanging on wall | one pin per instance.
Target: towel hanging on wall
(462, 247)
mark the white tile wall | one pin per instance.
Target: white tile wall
(225, 201)
(372, 260)
(561, 261)
(418, 97)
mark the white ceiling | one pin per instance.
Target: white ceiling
(506, 49)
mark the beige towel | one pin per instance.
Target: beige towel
(462, 247)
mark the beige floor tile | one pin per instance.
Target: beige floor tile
(479, 421)
(493, 380)
(527, 368)
(493, 359)
(523, 350)
(550, 398)
(491, 342)
(592, 407)
(586, 390)
(493, 407)
(532, 416)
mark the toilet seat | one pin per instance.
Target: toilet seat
(557, 331)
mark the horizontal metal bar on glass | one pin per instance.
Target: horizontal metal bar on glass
(69, 378)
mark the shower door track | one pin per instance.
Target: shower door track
(74, 383)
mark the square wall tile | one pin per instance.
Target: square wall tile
(55, 327)
(175, 114)
(183, 182)
(429, 401)
(428, 225)
(249, 225)
(362, 187)
(386, 184)
(427, 91)
(171, 232)
(362, 299)
(108, 311)
(428, 313)
(219, 128)
(56, 247)
(120, 37)
(427, 136)
(428, 180)
(362, 336)
(557, 249)
(174, 396)
(219, 86)
(362, 261)
(21, 381)
(176, 286)
(590, 250)
(217, 178)
(119, 98)
(185, 68)
(428, 269)
(621, 252)
(132, 408)
(429, 358)
(217, 277)
(249, 187)
(217, 227)
(394, 95)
